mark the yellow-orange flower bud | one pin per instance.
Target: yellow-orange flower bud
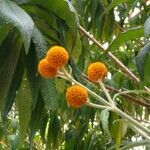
(46, 70)
(76, 96)
(57, 56)
(96, 71)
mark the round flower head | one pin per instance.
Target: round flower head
(96, 71)
(46, 70)
(76, 96)
(57, 56)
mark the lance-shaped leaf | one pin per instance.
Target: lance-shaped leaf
(123, 37)
(24, 103)
(147, 26)
(8, 68)
(143, 62)
(13, 14)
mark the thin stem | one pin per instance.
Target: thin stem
(126, 116)
(114, 58)
(126, 92)
(106, 92)
(136, 129)
(107, 104)
(147, 88)
(128, 97)
(99, 98)
(120, 64)
(135, 144)
(98, 106)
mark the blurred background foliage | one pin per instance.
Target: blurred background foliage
(34, 113)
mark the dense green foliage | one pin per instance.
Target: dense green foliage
(34, 112)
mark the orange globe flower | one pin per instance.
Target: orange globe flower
(76, 96)
(96, 71)
(46, 70)
(57, 56)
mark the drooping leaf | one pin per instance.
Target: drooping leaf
(43, 127)
(8, 68)
(48, 17)
(104, 120)
(54, 133)
(123, 37)
(62, 9)
(5, 48)
(142, 62)
(24, 103)
(13, 14)
(74, 45)
(4, 30)
(60, 85)
(49, 94)
(16, 81)
(147, 26)
(35, 119)
(39, 42)
(117, 135)
(120, 126)
(31, 62)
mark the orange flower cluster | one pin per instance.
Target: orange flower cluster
(56, 57)
(96, 71)
(46, 70)
(76, 96)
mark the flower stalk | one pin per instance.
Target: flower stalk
(110, 105)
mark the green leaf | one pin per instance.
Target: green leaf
(146, 70)
(2, 132)
(31, 63)
(49, 94)
(43, 127)
(54, 133)
(21, 1)
(24, 103)
(4, 30)
(5, 48)
(147, 26)
(142, 62)
(107, 28)
(14, 124)
(48, 17)
(8, 68)
(36, 117)
(123, 37)
(39, 43)
(74, 45)
(117, 135)
(13, 14)
(13, 141)
(60, 84)
(119, 129)
(113, 4)
(104, 120)
(62, 9)
(16, 81)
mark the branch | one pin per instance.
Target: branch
(116, 60)
(128, 96)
